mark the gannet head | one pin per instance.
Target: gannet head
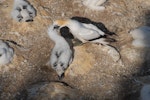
(60, 68)
(60, 23)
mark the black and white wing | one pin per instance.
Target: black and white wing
(99, 25)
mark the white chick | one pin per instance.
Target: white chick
(23, 11)
(61, 55)
(145, 93)
(82, 31)
(6, 53)
(94, 4)
(141, 36)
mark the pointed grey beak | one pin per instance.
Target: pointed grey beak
(61, 77)
(56, 27)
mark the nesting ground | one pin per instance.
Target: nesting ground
(93, 71)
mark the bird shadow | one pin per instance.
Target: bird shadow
(147, 18)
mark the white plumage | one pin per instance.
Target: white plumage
(140, 43)
(94, 4)
(61, 55)
(87, 32)
(83, 32)
(141, 36)
(23, 11)
(6, 53)
(145, 93)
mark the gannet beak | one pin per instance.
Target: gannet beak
(61, 76)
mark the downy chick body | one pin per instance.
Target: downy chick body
(61, 55)
(23, 11)
(141, 36)
(94, 4)
(6, 53)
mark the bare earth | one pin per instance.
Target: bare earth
(93, 71)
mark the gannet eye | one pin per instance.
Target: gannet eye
(18, 8)
(24, 7)
(61, 64)
(0, 55)
(56, 27)
(55, 64)
(19, 17)
(30, 13)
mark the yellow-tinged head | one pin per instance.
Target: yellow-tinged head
(60, 23)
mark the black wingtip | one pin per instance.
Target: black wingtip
(110, 40)
(82, 19)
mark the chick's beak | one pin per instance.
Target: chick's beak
(61, 76)
(56, 27)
